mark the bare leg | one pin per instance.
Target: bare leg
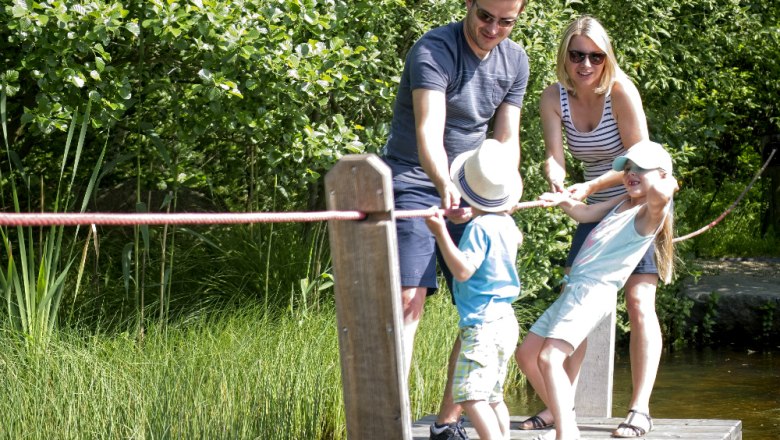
(413, 299)
(502, 415)
(559, 388)
(449, 411)
(484, 418)
(526, 356)
(645, 341)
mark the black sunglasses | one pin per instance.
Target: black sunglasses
(596, 58)
(485, 17)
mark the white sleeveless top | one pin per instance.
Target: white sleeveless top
(613, 248)
(595, 149)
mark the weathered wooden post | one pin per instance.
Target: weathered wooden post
(594, 388)
(368, 300)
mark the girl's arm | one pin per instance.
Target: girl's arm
(461, 269)
(555, 162)
(659, 195)
(581, 212)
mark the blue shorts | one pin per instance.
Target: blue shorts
(646, 265)
(417, 250)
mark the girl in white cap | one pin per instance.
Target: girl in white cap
(627, 226)
(485, 283)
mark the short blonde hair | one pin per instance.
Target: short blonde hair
(588, 26)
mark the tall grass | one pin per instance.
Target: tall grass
(243, 374)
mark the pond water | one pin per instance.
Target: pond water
(707, 384)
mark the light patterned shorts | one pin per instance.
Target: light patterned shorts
(579, 309)
(484, 356)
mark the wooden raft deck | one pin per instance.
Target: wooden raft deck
(599, 428)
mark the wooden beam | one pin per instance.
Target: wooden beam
(368, 300)
(594, 387)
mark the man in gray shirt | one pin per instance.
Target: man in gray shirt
(460, 82)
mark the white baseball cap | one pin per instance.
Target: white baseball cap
(645, 154)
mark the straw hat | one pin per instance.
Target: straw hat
(486, 179)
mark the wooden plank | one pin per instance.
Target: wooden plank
(594, 387)
(600, 428)
(368, 300)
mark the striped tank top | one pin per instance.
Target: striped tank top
(596, 149)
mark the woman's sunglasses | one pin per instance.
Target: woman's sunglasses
(596, 58)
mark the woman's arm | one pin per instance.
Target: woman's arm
(555, 162)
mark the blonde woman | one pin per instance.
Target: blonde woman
(598, 110)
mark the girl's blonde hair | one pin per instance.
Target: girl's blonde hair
(664, 248)
(588, 26)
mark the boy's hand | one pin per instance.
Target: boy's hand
(436, 222)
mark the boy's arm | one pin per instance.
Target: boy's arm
(460, 267)
(581, 212)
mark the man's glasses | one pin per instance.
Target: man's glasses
(596, 58)
(485, 17)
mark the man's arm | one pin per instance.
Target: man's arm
(506, 129)
(430, 112)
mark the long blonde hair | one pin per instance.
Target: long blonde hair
(588, 26)
(664, 247)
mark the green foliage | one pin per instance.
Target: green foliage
(249, 103)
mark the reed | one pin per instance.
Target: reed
(36, 262)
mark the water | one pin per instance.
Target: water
(708, 384)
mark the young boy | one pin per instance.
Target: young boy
(485, 283)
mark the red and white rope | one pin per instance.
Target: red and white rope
(117, 219)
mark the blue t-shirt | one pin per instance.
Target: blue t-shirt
(490, 243)
(442, 60)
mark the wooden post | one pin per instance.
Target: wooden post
(368, 300)
(594, 388)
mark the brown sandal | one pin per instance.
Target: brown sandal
(636, 431)
(536, 424)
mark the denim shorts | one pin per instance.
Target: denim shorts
(417, 250)
(646, 264)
